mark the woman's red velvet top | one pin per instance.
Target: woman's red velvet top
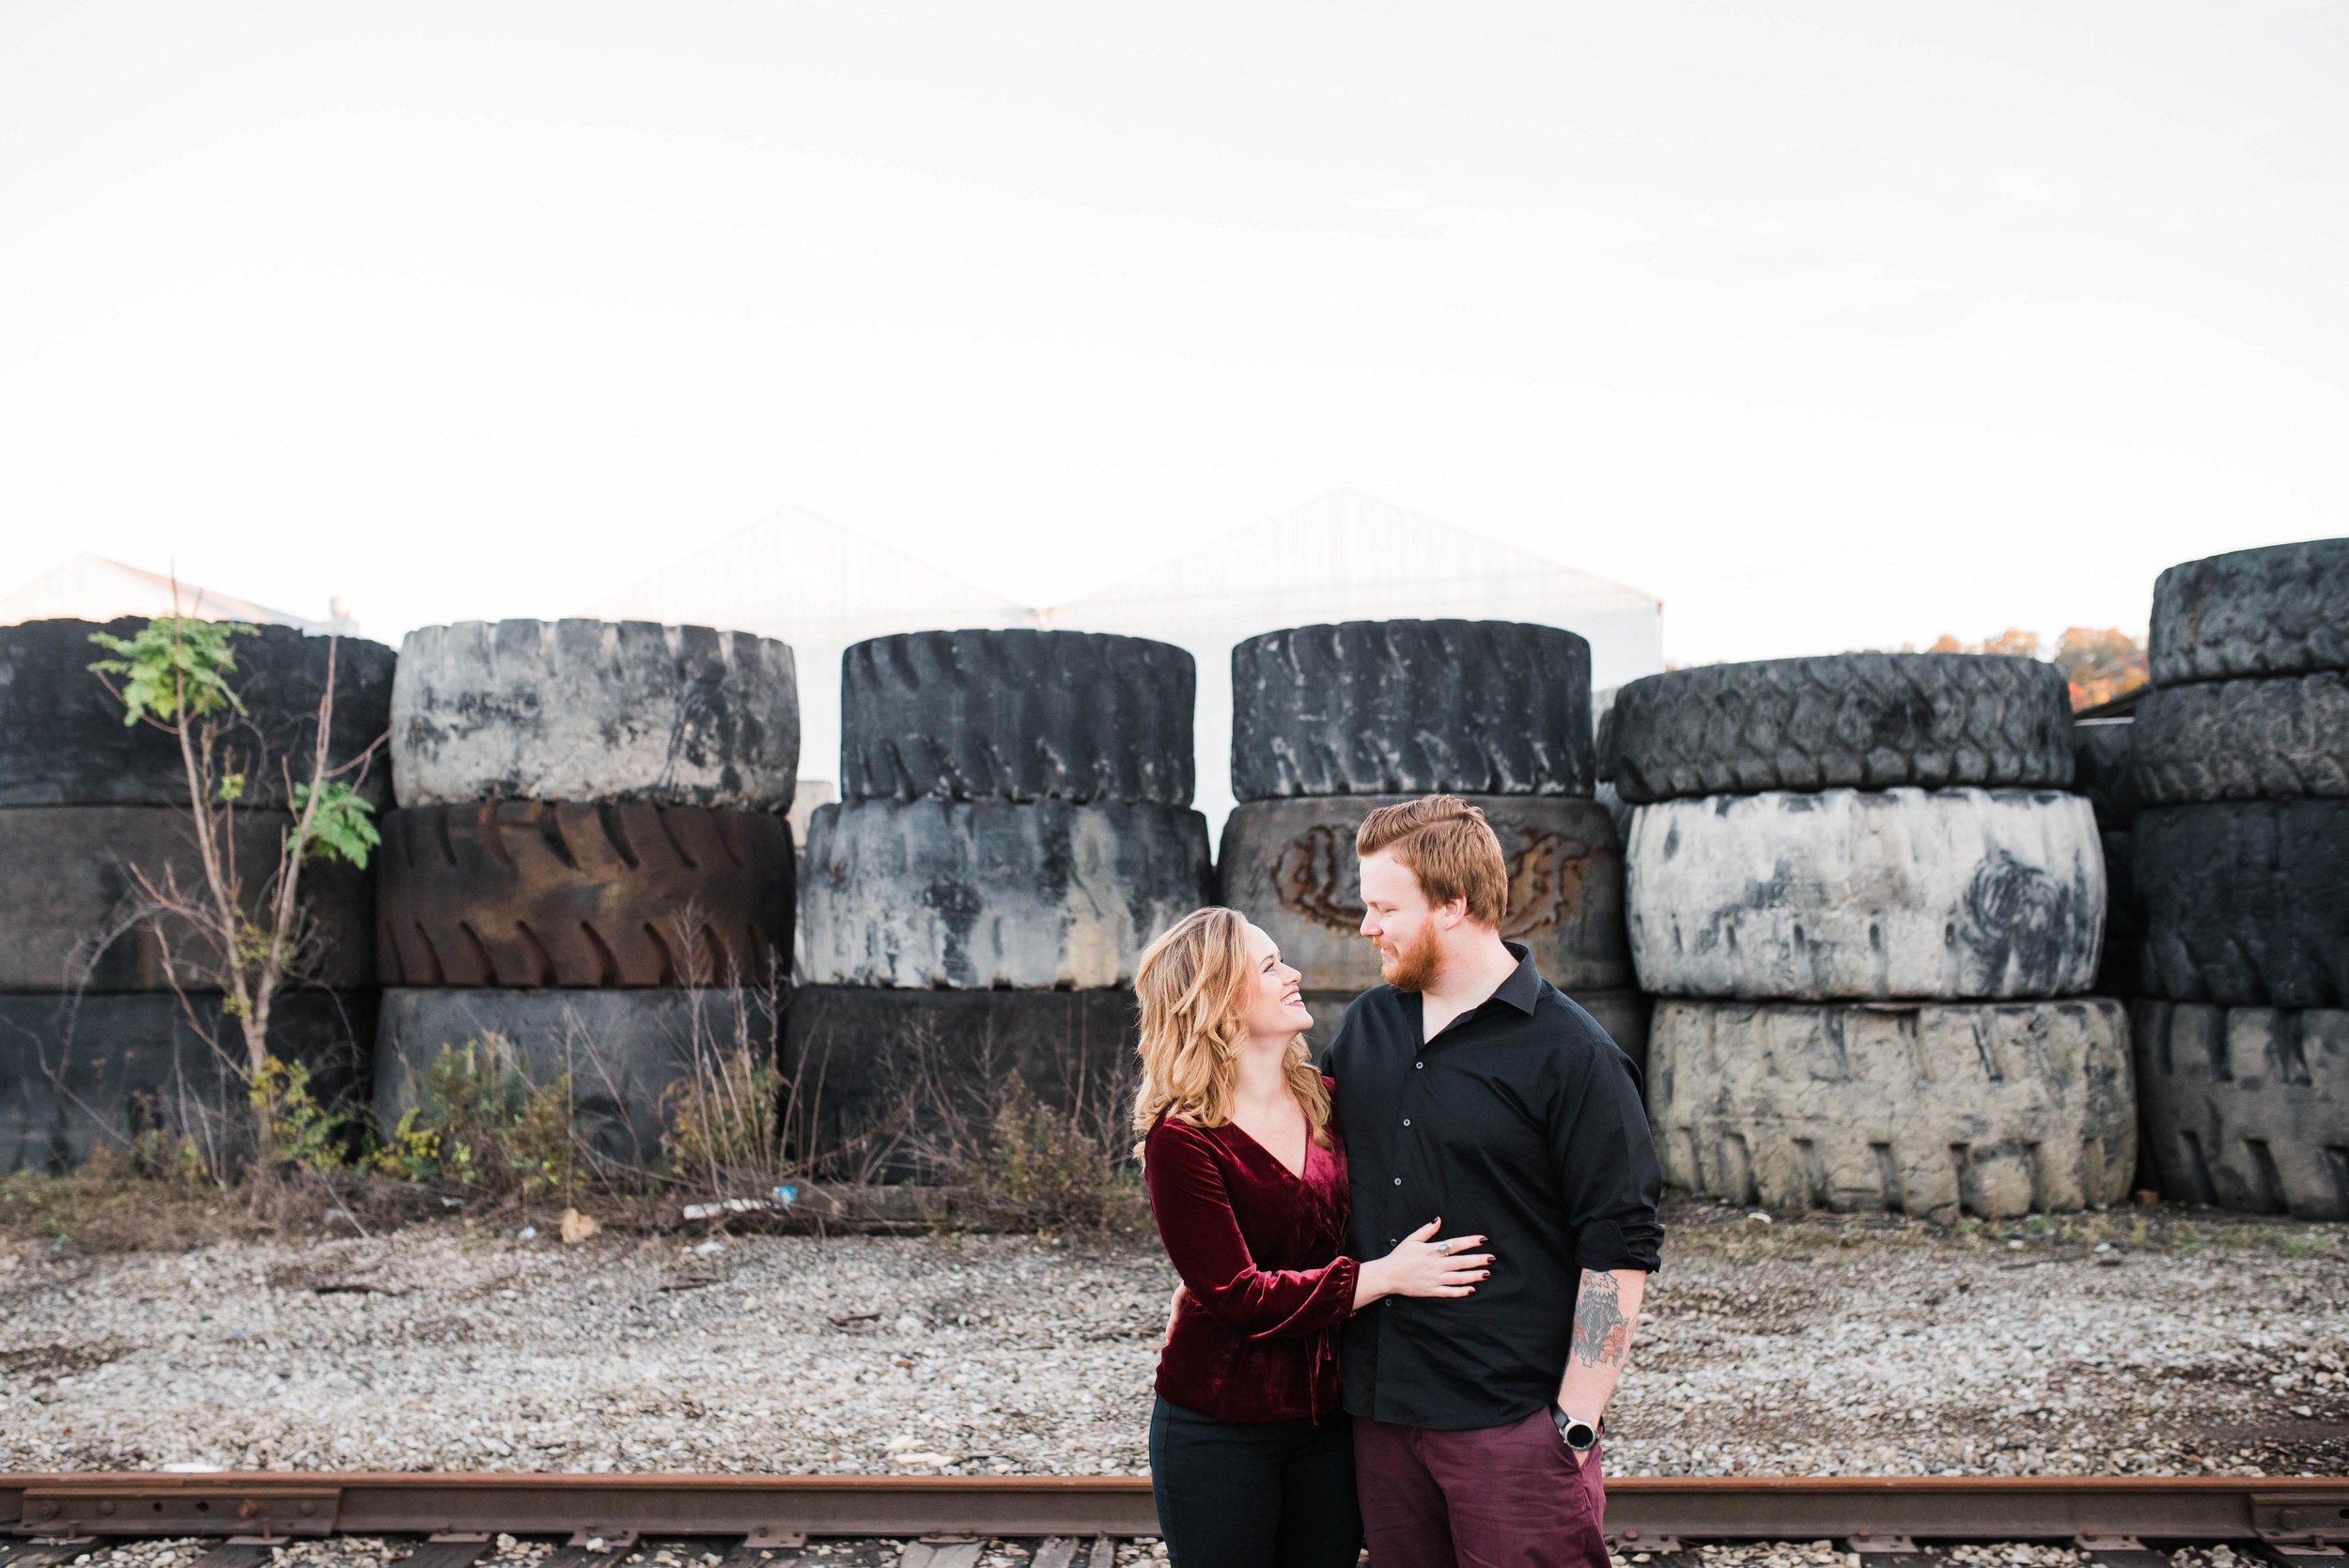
(1266, 1286)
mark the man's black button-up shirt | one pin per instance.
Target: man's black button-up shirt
(1521, 1122)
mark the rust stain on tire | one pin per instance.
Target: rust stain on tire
(1545, 882)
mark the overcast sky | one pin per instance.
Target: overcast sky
(1830, 325)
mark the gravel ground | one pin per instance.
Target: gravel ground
(363, 1552)
(2148, 1342)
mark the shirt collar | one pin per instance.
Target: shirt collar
(1524, 988)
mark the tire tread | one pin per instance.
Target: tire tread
(1861, 721)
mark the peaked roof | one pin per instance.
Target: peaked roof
(1349, 556)
(93, 588)
(808, 580)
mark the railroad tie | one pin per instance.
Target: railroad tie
(589, 1549)
(1059, 1551)
(767, 1546)
(40, 1554)
(240, 1552)
(1889, 1551)
(940, 1554)
(451, 1549)
(2119, 1551)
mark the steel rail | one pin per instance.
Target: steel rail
(2274, 1510)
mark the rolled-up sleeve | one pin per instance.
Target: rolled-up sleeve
(1203, 1239)
(1606, 1159)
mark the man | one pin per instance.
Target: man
(1470, 1090)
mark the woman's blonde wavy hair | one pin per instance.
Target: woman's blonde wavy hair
(1195, 985)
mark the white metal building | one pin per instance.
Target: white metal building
(821, 587)
(93, 588)
(1349, 557)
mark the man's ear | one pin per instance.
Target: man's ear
(1455, 910)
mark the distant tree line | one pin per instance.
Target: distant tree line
(2100, 664)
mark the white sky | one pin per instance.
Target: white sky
(1840, 325)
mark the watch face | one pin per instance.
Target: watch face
(1578, 1434)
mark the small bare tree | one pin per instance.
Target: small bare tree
(248, 923)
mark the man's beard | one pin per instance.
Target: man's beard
(1413, 967)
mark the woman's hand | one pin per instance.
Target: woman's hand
(1419, 1266)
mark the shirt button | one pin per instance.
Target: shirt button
(1407, 1121)
(1419, 1064)
(1398, 1181)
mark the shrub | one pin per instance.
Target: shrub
(721, 1120)
(1041, 1164)
(481, 1124)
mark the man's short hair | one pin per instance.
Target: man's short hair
(1449, 848)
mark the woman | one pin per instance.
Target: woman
(1251, 1462)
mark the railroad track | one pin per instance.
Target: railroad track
(1074, 1522)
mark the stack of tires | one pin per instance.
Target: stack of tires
(1331, 722)
(97, 1047)
(1869, 903)
(589, 860)
(1014, 828)
(2242, 767)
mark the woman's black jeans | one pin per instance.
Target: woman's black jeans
(1254, 1495)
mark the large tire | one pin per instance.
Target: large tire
(1289, 865)
(63, 741)
(70, 918)
(1991, 1110)
(1016, 715)
(968, 896)
(1900, 894)
(2246, 1107)
(2104, 761)
(82, 1074)
(2284, 738)
(623, 1049)
(1411, 707)
(1861, 721)
(2282, 610)
(594, 710)
(892, 1085)
(2247, 903)
(527, 893)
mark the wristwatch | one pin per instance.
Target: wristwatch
(1579, 1434)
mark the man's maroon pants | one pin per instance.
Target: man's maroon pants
(1500, 1497)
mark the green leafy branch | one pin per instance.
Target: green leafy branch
(171, 661)
(340, 826)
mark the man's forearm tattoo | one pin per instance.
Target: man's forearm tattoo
(1601, 1337)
